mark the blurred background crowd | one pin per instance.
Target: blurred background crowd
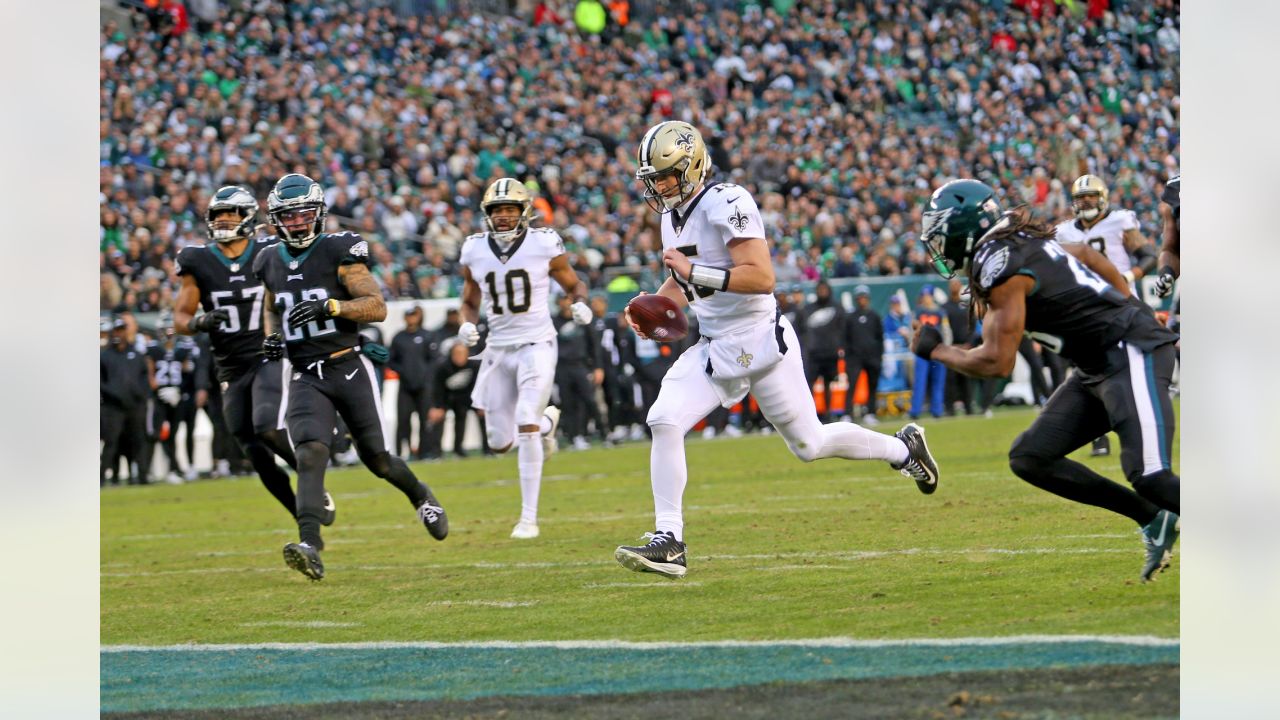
(839, 116)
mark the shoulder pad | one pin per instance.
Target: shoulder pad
(992, 264)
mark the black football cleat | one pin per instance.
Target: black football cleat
(330, 511)
(663, 554)
(1158, 537)
(1101, 447)
(433, 517)
(305, 559)
(919, 465)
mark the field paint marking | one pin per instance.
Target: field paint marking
(482, 603)
(834, 555)
(831, 642)
(659, 584)
(301, 624)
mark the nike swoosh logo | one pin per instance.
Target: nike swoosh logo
(733, 199)
(672, 557)
(353, 373)
(1163, 526)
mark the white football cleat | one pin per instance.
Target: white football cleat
(525, 530)
(549, 445)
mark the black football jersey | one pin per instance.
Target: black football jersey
(313, 275)
(1173, 195)
(1070, 310)
(174, 366)
(230, 284)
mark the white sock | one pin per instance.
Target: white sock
(668, 475)
(544, 425)
(529, 460)
(848, 440)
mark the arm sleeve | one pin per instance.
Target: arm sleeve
(394, 361)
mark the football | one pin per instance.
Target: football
(658, 317)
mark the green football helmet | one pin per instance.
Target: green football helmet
(237, 199)
(297, 208)
(958, 214)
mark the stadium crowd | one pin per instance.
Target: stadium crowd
(839, 116)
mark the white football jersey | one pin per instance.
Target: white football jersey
(702, 230)
(1106, 236)
(514, 284)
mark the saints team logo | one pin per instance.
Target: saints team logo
(745, 359)
(738, 220)
(685, 141)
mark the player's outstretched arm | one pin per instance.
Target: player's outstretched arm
(471, 296)
(1169, 251)
(1099, 263)
(1002, 328)
(562, 271)
(185, 305)
(366, 304)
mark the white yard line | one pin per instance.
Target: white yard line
(832, 642)
(849, 555)
(301, 624)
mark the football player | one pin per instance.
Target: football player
(715, 250)
(1170, 211)
(1114, 232)
(508, 270)
(1072, 299)
(174, 363)
(319, 290)
(219, 276)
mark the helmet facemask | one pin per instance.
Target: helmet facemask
(231, 199)
(1087, 213)
(297, 208)
(507, 192)
(517, 228)
(671, 149)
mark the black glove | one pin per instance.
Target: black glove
(210, 320)
(927, 338)
(273, 347)
(308, 311)
(376, 352)
(1164, 283)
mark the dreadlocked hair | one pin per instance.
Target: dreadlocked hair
(1017, 225)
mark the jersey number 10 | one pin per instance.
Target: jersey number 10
(510, 282)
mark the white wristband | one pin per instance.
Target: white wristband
(1128, 275)
(709, 277)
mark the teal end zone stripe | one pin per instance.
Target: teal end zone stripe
(1154, 391)
(139, 681)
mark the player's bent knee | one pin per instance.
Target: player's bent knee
(380, 464)
(312, 455)
(1027, 467)
(499, 441)
(804, 450)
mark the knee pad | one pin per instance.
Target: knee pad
(802, 443)
(1027, 467)
(312, 455)
(499, 440)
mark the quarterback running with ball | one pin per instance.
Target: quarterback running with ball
(719, 263)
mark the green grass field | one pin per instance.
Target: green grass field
(778, 550)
